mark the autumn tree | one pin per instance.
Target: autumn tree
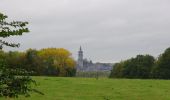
(50, 61)
(58, 61)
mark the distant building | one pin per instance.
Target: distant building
(87, 65)
(80, 59)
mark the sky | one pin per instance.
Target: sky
(107, 30)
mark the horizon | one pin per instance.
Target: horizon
(75, 58)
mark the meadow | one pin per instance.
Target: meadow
(59, 88)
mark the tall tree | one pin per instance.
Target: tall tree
(12, 85)
(162, 68)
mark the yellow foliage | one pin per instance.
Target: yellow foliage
(62, 57)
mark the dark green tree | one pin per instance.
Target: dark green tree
(11, 84)
(162, 68)
(117, 71)
(14, 59)
(138, 67)
(33, 62)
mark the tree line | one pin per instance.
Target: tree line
(144, 67)
(48, 62)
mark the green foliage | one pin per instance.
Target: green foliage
(8, 29)
(32, 62)
(138, 67)
(13, 80)
(50, 62)
(117, 71)
(162, 68)
(12, 86)
(144, 66)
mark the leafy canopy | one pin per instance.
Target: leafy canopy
(8, 29)
(11, 84)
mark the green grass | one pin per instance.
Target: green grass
(101, 89)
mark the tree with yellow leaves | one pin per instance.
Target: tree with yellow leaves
(58, 61)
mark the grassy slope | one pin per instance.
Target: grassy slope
(102, 89)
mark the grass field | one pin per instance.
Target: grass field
(102, 89)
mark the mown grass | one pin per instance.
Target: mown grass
(57, 88)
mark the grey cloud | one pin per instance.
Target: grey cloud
(108, 30)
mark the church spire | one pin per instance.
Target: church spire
(80, 58)
(80, 48)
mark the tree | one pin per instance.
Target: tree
(50, 61)
(138, 67)
(12, 85)
(162, 68)
(58, 61)
(117, 71)
(33, 62)
(14, 59)
(8, 29)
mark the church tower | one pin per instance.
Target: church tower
(80, 58)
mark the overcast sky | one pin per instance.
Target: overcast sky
(107, 30)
